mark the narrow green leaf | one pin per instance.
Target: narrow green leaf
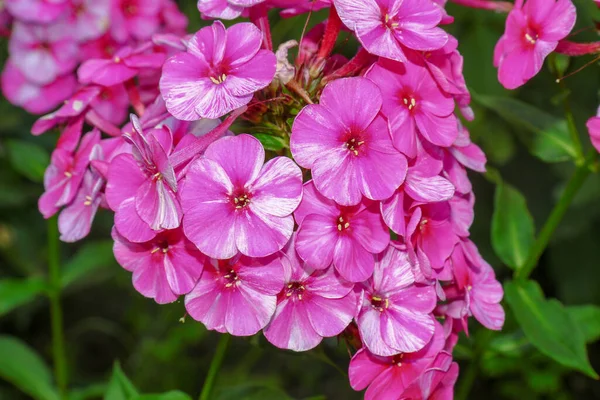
(587, 317)
(16, 292)
(272, 143)
(550, 142)
(21, 366)
(512, 226)
(548, 325)
(119, 386)
(173, 395)
(28, 159)
(90, 258)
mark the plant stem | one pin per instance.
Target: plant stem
(58, 339)
(556, 216)
(469, 376)
(215, 366)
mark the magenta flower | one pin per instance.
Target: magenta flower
(346, 143)
(37, 11)
(414, 104)
(593, 126)
(348, 237)
(437, 381)
(43, 53)
(65, 174)
(163, 268)
(220, 72)
(312, 305)
(222, 9)
(388, 28)
(34, 98)
(137, 19)
(233, 203)
(142, 187)
(532, 33)
(395, 316)
(89, 19)
(236, 296)
(389, 377)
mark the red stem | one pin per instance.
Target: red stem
(202, 142)
(332, 30)
(574, 49)
(259, 16)
(134, 97)
(500, 6)
(94, 119)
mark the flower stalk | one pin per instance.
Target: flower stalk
(215, 366)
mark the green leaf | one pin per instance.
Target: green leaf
(512, 226)
(173, 395)
(21, 366)
(91, 257)
(548, 325)
(119, 386)
(16, 292)
(29, 159)
(272, 143)
(551, 141)
(587, 317)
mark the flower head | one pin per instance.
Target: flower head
(37, 11)
(233, 203)
(220, 72)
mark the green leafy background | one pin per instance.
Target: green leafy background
(123, 346)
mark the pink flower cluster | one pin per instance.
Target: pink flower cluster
(360, 230)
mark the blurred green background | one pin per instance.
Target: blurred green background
(107, 320)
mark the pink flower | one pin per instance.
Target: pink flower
(34, 98)
(389, 377)
(37, 11)
(142, 187)
(137, 19)
(89, 19)
(414, 104)
(43, 53)
(346, 143)
(65, 174)
(233, 203)
(220, 72)
(593, 126)
(222, 9)
(237, 296)
(396, 313)
(313, 304)
(347, 236)
(388, 28)
(163, 268)
(532, 33)
(437, 381)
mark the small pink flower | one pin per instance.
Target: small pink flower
(388, 28)
(89, 19)
(233, 203)
(532, 33)
(346, 143)
(414, 104)
(65, 174)
(142, 187)
(163, 268)
(593, 126)
(43, 53)
(34, 98)
(220, 72)
(37, 11)
(390, 377)
(238, 296)
(348, 237)
(222, 9)
(437, 381)
(396, 313)
(313, 304)
(137, 19)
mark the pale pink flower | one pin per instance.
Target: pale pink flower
(414, 105)
(89, 19)
(233, 203)
(346, 143)
(163, 268)
(532, 33)
(237, 296)
(43, 53)
(220, 72)
(388, 28)
(37, 11)
(312, 305)
(396, 312)
(348, 237)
